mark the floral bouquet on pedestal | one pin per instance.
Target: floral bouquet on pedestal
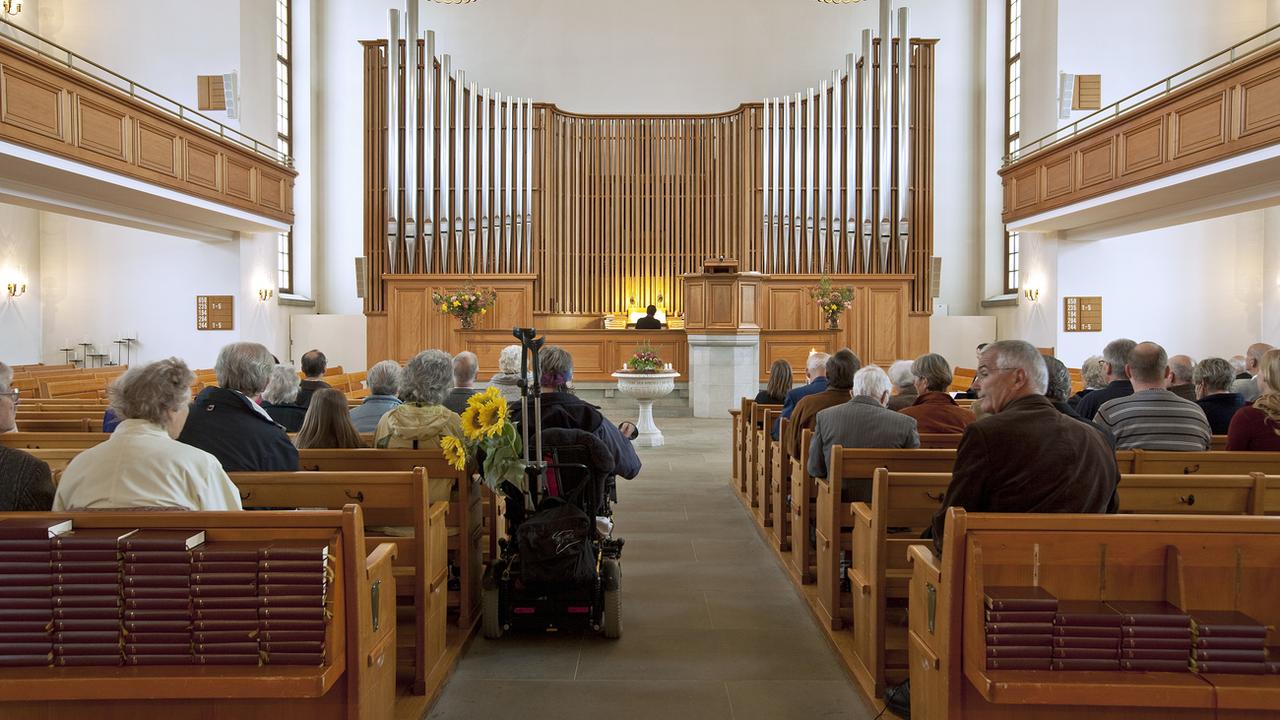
(486, 428)
(465, 304)
(645, 360)
(832, 300)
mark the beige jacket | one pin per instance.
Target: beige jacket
(416, 426)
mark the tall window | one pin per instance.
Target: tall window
(284, 130)
(1012, 126)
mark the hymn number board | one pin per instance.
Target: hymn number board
(215, 312)
(1082, 314)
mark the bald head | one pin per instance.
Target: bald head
(1148, 366)
(1181, 366)
(1253, 357)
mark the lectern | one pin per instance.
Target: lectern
(721, 321)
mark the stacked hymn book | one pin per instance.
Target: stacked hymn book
(1029, 629)
(113, 597)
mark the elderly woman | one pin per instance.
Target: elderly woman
(508, 376)
(225, 421)
(421, 420)
(1094, 374)
(562, 409)
(280, 398)
(141, 464)
(25, 481)
(934, 410)
(904, 385)
(1212, 378)
(383, 381)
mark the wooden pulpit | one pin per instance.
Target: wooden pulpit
(721, 300)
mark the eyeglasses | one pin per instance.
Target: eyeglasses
(12, 395)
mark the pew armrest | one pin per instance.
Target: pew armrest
(922, 560)
(380, 642)
(383, 554)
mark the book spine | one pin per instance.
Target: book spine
(1239, 668)
(1183, 644)
(1244, 631)
(1084, 664)
(1019, 628)
(1019, 639)
(1155, 665)
(1018, 663)
(1141, 654)
(1087, 653)
(1018, 651)
(1156, 620)
(1231, 643)
(1086, 631)
(1231, 655)
(1155, 631)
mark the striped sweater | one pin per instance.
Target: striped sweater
(1155, 420)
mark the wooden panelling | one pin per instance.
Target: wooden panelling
(788, 307)
(157, 148)
(415, 324)
(238, 179)
(695, 301)
(794, 347)
(1230, 111)
(102, 128)
(885, 325)
(30, 103)
(1059, 177)
(54, 109)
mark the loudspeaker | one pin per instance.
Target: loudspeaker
(935, 276)
(1066, 94)
(362, 276)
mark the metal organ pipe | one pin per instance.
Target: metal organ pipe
(848, 211)
(867, 151)
(904, 140)
(411, 78)
(428, 212)
(393, 139)
(884, 147)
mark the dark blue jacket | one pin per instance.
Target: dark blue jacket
(225, 424)
(1089, 404)
(793, 398)
(1219, 409)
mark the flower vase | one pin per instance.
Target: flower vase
(833, 322)
(468, 322)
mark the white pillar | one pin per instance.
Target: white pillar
(723, 369)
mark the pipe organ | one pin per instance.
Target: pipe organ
(605, 211)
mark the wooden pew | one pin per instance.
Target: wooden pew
(67, 440)
(1193, 562)
(385, 499)
(466, 526)
(940, 441)
(56, 458)
(743, 439)
(757, 437)
(763, 481)
(25, 413)
(803, 508)
(735, 415)
(780, 490)
(67, 425)
(357, 681)
(1212, 462)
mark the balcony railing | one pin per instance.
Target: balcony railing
(1236, 53)
(70, 59)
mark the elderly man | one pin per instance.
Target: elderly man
(904, 385)
(841, 367)
(25, 481)
(1248, 388)
(313, 367)
(862, 422)
(225, 421)
(815, 371)
(1115, 356)
(383, 381)
(1212, 378)
(972, 392)
(1152, 418)
(465, 366)
(1024, 456)
(934, 410)
(1180, 367)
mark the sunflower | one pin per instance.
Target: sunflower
(493, 415)
(454, 452)
(471, 426)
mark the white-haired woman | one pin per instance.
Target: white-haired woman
(507, 378)
(383, 381)
(142, 464)
(904, 392)
(280, 398)
(421, 420)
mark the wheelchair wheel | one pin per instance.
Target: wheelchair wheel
(611, 579)
(491, 606)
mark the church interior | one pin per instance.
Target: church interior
(683, 359)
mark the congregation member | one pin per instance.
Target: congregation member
(972, 392)
(775, 391)
(815, 373)
(841, 367)
(465, 367)
(507, 379)
(904, 385)
(1212, 378)
(1094, 375)
(934, 410)
(1257, 426)
(1152, 417)
(1115, 356)
(650, 320)
(142, 465)
(225, 421)
(1237, 366)
(1180, 369)
(562, 409)
(421, 419)
(280, 398)
(1248, 387)
(861, 422)
(314, 364)
(1024, 456)
(25, 480)
(383, 381)
(1057, 390)
(328, 423)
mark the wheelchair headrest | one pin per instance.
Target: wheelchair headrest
(594, 453)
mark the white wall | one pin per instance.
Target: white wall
(661, 56)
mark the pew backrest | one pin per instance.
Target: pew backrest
(66, 440)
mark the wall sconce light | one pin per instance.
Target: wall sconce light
(1032, 293)
(12, 7)
(16, 289)
(265, 294)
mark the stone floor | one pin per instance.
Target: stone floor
(712, 627)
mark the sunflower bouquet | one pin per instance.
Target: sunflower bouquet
(486, 429)
(832, 300)
(465, 304)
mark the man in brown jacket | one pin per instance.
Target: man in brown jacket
(1024, 456)
(841, 367)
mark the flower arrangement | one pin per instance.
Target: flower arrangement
(485, 427)
(465, 304)
(645, 360)
(832, 300)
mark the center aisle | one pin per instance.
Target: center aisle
(712, 627)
